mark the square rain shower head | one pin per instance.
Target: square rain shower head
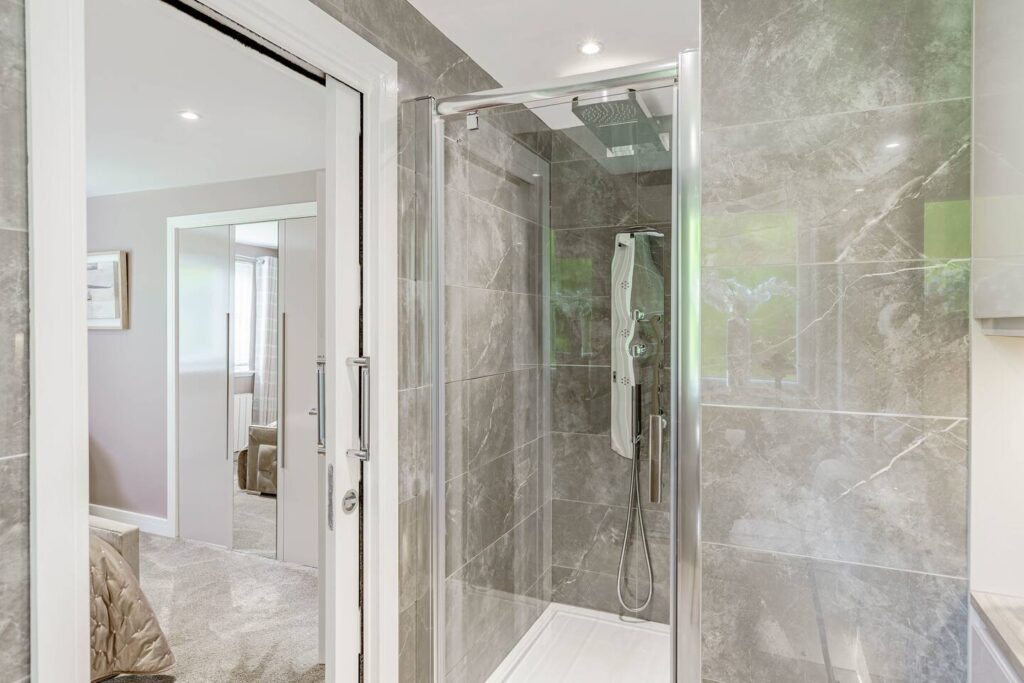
(621, 122)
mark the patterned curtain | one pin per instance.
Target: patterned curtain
(264, 400)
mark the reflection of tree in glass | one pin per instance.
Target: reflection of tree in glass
(739, 303)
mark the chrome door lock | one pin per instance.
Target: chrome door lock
(349, 501)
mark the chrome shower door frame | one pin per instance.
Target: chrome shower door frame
(684, 442)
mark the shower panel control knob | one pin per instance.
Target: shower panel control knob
(638, 350)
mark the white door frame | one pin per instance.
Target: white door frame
(59, 460)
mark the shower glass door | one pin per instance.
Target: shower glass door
(555, 532)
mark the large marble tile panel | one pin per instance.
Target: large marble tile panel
(581, 262)
(488, 417)
(593, 590)
(586, 469)
(492, 602)
(586, 536)
(409, 36)
(14, 343)
(413, 550)
(892, 184)
(769, 617)
(14, 568)
(414, 442)
(413, 331)
(882, 337)
(779, 59)
(581, 399)
(488, 501)
(584, 194)
(479, 330)
(888, 491)
(581, 330)
(504, 172)
(407, 645)
(13, 130)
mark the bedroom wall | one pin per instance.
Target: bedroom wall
(14, 388)
(128, 369)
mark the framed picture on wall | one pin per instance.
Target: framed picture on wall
(107, 282)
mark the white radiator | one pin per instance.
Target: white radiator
(243, 418)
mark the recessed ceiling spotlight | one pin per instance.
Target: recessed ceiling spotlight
(189, 115)
(590, 47)
(859, 189)
(892, 145)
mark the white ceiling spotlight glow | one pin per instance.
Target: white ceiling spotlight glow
(892, 145)
(189, 115)
(590, 47)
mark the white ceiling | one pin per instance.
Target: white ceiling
(523, 42)
(146, 61)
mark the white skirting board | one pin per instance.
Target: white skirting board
(160, 526)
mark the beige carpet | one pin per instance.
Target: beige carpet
(254, 523)
(231, 616)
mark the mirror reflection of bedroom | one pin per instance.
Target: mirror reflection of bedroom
(205, 181)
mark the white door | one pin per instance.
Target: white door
(342, 302)
(298, 514)
(204, 284)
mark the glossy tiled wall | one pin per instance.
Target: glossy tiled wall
(14, 397)
(836, 235)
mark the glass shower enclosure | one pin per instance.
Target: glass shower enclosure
(559, 274)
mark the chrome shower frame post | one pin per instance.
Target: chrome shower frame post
(685, 611)
(429, 209)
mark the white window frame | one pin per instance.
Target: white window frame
(59, 460)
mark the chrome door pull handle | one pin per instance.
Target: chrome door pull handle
(321, 409)
(362, 363)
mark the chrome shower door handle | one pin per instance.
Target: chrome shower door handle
(362, 363)
(655, 432)
(321, 408)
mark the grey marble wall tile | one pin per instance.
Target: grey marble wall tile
(488, 417)
(888, 491)
(480, 324)
(492, 602)
(654, 197)
(586, 469)
(491, 248)
(14, 568)
(14, 343)
(407, 645)
(581, 399)
(414, 442)
(13, 140)
(488, 501)
(503, 172)
(407, 35)
(780, 59)
(424, 639)
(528, 324)
(585, 195)
(587, 536)
(413, 331)
(413, 550)
(776, 617)
(891, 184)
(581, 330)
(884, 337)
(581, 262)
(579, 587)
